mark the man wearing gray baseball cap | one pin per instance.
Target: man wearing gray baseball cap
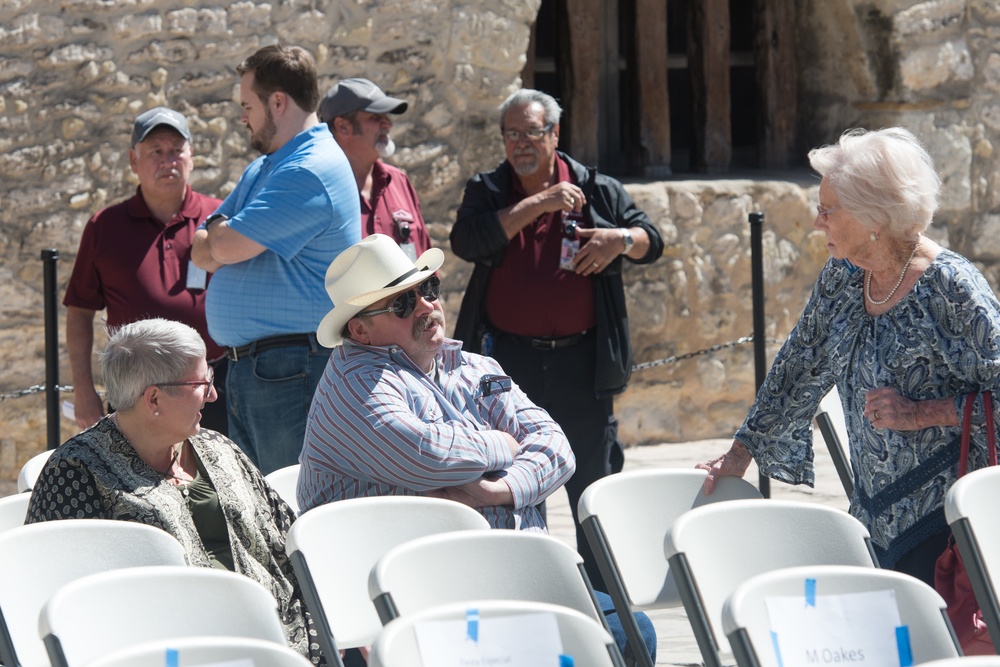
(135, 259)
(357, 113)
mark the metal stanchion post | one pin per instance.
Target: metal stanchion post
(759, 340)
(49, 257)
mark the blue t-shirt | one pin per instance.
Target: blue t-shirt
(301, 203)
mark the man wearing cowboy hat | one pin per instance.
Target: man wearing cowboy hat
(401, 410)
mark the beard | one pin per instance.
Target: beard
(385, 146)
(525, 164)
(262, 138)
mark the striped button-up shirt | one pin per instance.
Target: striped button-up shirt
(380, 426)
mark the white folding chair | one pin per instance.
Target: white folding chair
(198, 651)
(626, 517)
(582, 637)
(13, 509)
(495, 564)
(715, 548)
(36, 560)
(285, 481)
(334, 547)
(970, 509)
(833, 428)
(746, 624)
(103, 613)
(29, 471)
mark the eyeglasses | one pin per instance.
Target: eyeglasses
(207, 384)
(404, 304)
(825, 212)
(534, 134)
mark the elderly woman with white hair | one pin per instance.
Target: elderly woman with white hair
(150, 462)
(904, 328)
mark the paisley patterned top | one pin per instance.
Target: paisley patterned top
(98, 475)
(942, 339)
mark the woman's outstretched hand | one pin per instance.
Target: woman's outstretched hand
(733, 463)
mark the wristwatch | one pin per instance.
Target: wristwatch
(627, 240)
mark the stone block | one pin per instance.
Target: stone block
(936, 18)
(924, 69)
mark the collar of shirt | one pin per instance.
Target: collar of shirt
(449, 357)
(190, 210)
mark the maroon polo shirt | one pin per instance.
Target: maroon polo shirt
(137, 268)
(528, 294)
(396, 207)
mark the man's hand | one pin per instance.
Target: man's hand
(88, 407)
(484, 492)
(733, 463)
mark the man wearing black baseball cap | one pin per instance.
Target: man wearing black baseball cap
(356, 111)
(135, 259)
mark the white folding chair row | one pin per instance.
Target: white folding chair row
(285, 481)
(713, 549)
(970, 509)
(626, 518)
(748, 627)
(333, 549)
(198, 651)
(833, 427)
(38, 559)
(100, 614)
(582, 638)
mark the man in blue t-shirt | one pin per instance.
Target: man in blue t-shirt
(269, 243)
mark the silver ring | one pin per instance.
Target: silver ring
(572, 201)
(597, 263)
(875, 415)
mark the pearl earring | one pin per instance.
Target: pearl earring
(156, 414)
(873, 236)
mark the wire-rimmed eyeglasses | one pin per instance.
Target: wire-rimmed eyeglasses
(825, 212)
(534, 134)
(206, 383)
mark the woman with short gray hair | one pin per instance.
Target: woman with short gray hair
(906, 330)
(151, 462)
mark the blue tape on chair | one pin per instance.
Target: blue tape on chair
(777, 651)
(172, 658)
(810, 592)
(472, 625)
(565, 661)
(903, 646)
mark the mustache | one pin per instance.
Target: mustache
(424, 323)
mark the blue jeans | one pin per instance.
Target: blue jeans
(618, 632)
(268, 395)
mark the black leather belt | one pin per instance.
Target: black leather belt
(288, 340)
(549, 343)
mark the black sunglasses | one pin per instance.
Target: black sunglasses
(404, 304)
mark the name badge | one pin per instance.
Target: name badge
(197, 278)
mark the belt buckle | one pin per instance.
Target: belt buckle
(232, 354)
(543, 344)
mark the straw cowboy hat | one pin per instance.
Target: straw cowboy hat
(369, 271)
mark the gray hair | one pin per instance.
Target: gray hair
(884, 178)
(525, 96)
(143, 353)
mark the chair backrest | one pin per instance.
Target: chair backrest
(334, 547)
(833, 428)
(29, 471)
(13, 509)
(100, 614)
(970, 507)
(966, 661)
(38, 559)
(582, 637)
(197, 651)
(715, 548)
(745, 617)
(284, 481)
(495, 564)
(628, 516)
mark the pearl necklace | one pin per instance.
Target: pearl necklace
(868, 280)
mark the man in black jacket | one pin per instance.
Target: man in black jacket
(546, 298)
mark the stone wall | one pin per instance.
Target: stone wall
(74, 73)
